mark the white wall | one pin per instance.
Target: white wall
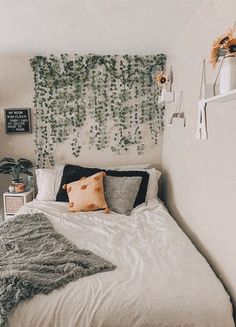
(88, 26)
(200, 176)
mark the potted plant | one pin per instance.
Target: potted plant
(15, 168)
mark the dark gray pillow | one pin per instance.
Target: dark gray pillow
(121, 192)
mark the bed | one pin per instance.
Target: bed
(161, 279)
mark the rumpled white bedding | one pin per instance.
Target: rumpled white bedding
(161, 279)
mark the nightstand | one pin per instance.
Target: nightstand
(13, 201)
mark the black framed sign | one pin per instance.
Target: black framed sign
(18, 120)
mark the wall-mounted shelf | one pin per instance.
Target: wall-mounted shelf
(202, 106)
(166, 97)
(229, 96)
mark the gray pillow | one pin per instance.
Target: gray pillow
(121, 192)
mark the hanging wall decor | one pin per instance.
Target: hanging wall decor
(114, 97)
(18, 120)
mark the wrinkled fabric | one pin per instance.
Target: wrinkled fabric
(161, 279)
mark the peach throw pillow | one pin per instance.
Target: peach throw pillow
(87, 194)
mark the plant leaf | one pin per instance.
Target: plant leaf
(8, 160)
(8, 166)
(27, 172)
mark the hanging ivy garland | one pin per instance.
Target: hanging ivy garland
(114, 96)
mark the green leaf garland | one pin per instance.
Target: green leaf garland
(114, 96)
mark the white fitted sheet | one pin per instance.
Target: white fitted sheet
(161, 279)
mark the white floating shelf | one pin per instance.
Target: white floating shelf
(229, 96)
(202, 133)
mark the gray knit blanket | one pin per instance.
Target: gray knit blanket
(34, 259)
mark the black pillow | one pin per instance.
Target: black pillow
(72, 173)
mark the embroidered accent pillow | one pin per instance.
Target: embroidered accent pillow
(87, 194)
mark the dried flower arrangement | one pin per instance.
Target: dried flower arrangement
(162, 79)
(224, 46)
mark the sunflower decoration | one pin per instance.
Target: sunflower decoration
(223, 46)
(162, 79)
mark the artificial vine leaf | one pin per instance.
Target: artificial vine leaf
(113, 96)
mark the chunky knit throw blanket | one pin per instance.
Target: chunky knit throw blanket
(34, 259)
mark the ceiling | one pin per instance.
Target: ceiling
(101, 26)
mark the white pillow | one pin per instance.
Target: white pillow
(132, 167)
(48, 183)
(152, 190)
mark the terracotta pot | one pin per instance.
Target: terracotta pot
(19, 187)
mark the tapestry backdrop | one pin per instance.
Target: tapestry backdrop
(114, 97)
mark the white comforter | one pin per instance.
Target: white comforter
(161, 279)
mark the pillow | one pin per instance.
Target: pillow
(131, 167)
(73, 173)
(48, 183)
(121, 192)
(87, 194)
(154, 176)
(152, 191)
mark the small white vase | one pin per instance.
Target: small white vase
(228, 75)
(11, 188)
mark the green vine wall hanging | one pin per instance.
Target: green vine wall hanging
(115, 97)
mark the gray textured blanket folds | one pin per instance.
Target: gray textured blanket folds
(34, 259)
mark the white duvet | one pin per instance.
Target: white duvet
(161, 279)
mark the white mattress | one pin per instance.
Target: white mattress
(161, 279)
